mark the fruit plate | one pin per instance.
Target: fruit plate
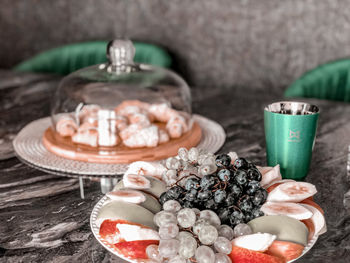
(95, 231)
(29, 148)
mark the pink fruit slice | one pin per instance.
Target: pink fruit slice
(274, 184)
(136, 181)
(270, 174)
(129, 196)
(285, 250)
(293, 210)
(291, 192)
(257, 242)
(317, 219)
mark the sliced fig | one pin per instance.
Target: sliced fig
(146, 168)
(118, 210)
(294, 210)
(291, 192)
(257, 242)
(136, 197)
(136, 181)
(135, 249)
(317, 219)
(270, 174)
(284, 227)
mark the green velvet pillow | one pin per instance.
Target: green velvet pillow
(66, 59)
(330, 81)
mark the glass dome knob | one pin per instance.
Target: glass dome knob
(120, 54)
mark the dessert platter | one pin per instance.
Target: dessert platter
(201, 207)
(109, 115)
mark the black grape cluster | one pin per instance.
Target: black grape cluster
(233, 191)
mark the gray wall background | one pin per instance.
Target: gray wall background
(220, 43)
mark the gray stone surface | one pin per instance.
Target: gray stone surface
(43, 218)
(225, 43)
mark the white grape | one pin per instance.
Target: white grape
(173, 163)
(168, 247)
(177, 259)
(153, 252)
(211, 217)
(163, 218)
(242, 230)
(183, 234)
(193, 155)
(222, 258)
(183, 154)
(168, 231)
(205, 254)
(199, 225)
(186, 217)
(223, 245)
(171, 206)
(208, 234)
(226, 231)
(205, 169)
(209, 160)
(196, 211)
(188, 246)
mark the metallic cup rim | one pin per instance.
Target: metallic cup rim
(292, 108)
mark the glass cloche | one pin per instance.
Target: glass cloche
(121, 111)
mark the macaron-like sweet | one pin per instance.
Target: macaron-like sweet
(284, 227)
(119, 210)
(136, 197)
(147, 184)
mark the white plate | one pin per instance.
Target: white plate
(29, 148)
(95, 230)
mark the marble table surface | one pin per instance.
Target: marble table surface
(45, 220)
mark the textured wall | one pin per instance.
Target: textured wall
(265, 43)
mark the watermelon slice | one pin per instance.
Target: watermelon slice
(243, 255)
(134, 249)
(285, 250)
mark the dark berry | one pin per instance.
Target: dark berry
(223, 160)
(252, 187)
(175, 192)
(204, 195)
(251, 165)
(230, 200)
(164, 197)
(224, 175)
(208, 181)
(192, 183)
(224, 215)
(219, 196)
(241, 178)
(235, 190)
(245, 204)
(248, 216)
(236, 217)
(254, 174)
(241, 163)
(257, 213)
(187, 204)
(259, 197)
(191, 195)
(210, 204)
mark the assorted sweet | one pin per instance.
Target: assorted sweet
(131, 123)
(203, 208)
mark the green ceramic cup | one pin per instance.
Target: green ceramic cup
(290, 131)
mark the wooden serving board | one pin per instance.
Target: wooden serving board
(120, 154)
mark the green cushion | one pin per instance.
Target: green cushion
(330, 81)
(66, 59)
